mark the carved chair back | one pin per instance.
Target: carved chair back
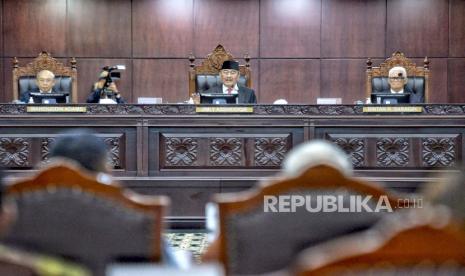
(253, 240)
(64, 211)
(402, 244)
(205, 75)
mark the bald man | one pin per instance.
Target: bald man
(45, 81)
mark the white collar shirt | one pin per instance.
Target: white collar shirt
(398, 92)
(234, 91)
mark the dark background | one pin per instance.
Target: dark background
(300, 49)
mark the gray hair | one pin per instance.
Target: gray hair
(314, 153)
(395, 69)
(48, 72)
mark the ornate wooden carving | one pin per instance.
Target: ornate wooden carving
(189, 109)
(45, 62)
(181, 151)
(355, 147)
(45, 148)
(270, 151)
(14, 152)
(212, 65)
(12, 109)
(444, 109)
(438, 152)
(397, 59)
(213, 62)
(113, 146)
(226, 152)
(392, 152)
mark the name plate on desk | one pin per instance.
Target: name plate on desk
(56, 109)
(224, 109)
(392, 109)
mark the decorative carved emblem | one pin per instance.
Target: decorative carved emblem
(438, 152)
(118, 109)
(392, 152)
(399, 59)
(113, 146)
(45, 62)
(181, 151)
(45, 148)
(225, 152)
(12, 108)
(337, 109)
(354, 147)
(270, 151)
(443, 109)
(14, 152)
(212, 64)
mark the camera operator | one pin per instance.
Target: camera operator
(105, 88)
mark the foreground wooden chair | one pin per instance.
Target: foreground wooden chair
(411, 243)
(253, 241)
(63, 211)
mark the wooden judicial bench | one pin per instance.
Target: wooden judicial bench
(190, 154)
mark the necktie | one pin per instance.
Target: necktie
(229, 90)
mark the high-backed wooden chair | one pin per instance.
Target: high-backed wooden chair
(252, 240)
(205, 75)
(63, 211)
(418, 76)
(404, 244)
(24, 76)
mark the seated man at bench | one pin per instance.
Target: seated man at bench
(46, 93)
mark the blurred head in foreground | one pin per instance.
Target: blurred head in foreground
(314, 153)
(84, 147)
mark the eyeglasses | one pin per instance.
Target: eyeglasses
(397, 78)
(45, 79)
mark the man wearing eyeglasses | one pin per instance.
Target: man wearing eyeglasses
(398, 91)
(397, 80)
(229, 75)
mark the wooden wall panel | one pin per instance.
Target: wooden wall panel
(314, 35)
(234, 24)
(297, 81)
(89, 71)
(99, 28)
(343, 78)
(290, 28)
(456, 80)
(7, 86)
(1, 32)
(438, 79)
(418, 27)
(2, 82)
(30, 27)
(456, 28)
(255, 71)
(162, 28)
(165, 78)
(353, 28)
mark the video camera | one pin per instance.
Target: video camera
(109, 78)
(112, 75)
